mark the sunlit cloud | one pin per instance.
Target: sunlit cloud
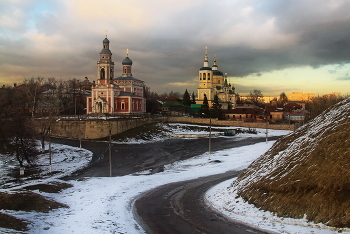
(182, 84)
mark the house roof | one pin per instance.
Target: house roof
(196, 106)
(244, 111)
(172, 104)
(127, 94)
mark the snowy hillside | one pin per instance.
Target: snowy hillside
(306, 173)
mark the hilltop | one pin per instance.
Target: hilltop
(306, 173)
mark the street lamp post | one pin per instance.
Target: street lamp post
(79, 133)
(289, 121)
(209, 137)
(50, 152)
(266, 130)
(209, 150)
(110, 150)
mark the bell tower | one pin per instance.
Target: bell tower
(205, 78)
(105, 66)
(127, 63)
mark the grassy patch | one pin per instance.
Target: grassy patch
(52, 187)
(27, 201)
(10, 222)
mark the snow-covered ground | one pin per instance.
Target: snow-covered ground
(104, 205)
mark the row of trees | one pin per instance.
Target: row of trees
(256, 98)
(34, 97)
(315, 105)
(20, 104)
(212, 111)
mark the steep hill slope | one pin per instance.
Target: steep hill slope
(306, 173)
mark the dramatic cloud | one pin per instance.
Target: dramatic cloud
(343, 78)
(167, 39)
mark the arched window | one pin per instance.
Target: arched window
(208, 76)
(204, 77)
(200, 76)
(102, 73)
(111, 73)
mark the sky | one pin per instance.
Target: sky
(96, 205)
(270, 45)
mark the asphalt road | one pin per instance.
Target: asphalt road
(128, 159)
(180, 208)
(172, 208)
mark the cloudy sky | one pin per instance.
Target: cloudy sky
(271, 45)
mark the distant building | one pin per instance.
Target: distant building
(172, 106)
(331, 95)
(244, 112)
(264, 99)
(213, 82)
(299, 96)
(121, 95)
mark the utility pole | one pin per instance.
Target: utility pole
(110, 151)
(266, 123)
(209, 137)
(50, 152)
(266, 129)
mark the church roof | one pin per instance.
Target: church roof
(205, 68)
(105, 40)
(217, 73)
(127, 61)
(127, 94)
(126, 78)
(105, 51)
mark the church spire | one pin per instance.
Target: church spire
(215, 66)
(206, 63)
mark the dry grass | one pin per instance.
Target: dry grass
(317, 185)
(26, 200)
(10, 222)
(53, 187)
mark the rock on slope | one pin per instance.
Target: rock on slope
(306, 173)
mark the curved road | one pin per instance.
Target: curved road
(180, 208)
(128, 159)
(172, 208)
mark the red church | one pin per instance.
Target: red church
(121, 95)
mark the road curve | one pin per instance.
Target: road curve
(179, 208)
(128, 159)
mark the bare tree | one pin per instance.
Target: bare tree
(6, 112)
(31, 89)
(282, 99)
(256, 97)
(23, 139)
(317, 105)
